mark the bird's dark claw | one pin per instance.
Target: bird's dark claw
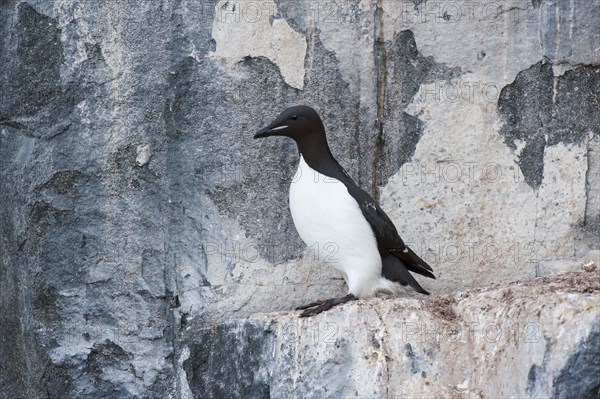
(317, 307)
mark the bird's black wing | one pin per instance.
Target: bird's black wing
(387, 236)
(382, 226)
(395, 255)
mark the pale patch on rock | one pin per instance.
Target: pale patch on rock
(561, 199)
(184, 388)
(143, 154)
(495, 55)
(251, 29)
(520, 144)
(343, 27)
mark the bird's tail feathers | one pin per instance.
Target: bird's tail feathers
(396, 270)
(413, 262)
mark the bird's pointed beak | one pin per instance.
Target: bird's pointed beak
(264, 132)
(270, 131)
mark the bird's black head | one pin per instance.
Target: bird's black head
(300, 123)
(304, 125)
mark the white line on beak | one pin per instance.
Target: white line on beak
(278, 128)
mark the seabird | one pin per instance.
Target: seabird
(329, 209)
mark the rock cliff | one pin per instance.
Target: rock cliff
(146, 246)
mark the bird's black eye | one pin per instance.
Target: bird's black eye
(294, 117)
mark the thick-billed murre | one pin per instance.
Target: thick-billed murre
(329, 209)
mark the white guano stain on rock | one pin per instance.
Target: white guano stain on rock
(243, 29)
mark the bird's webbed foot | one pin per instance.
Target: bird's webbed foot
(321, 306)
(310, 305)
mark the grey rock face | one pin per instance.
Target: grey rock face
(579, 377)
(136, 211)
(236, 370)
(405, 71)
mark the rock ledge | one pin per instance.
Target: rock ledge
(535, 338)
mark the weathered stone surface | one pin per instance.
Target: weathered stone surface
(136, 210)
(534, 339)
(500, 190)
(524, 105)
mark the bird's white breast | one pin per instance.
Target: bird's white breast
(332, 225)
